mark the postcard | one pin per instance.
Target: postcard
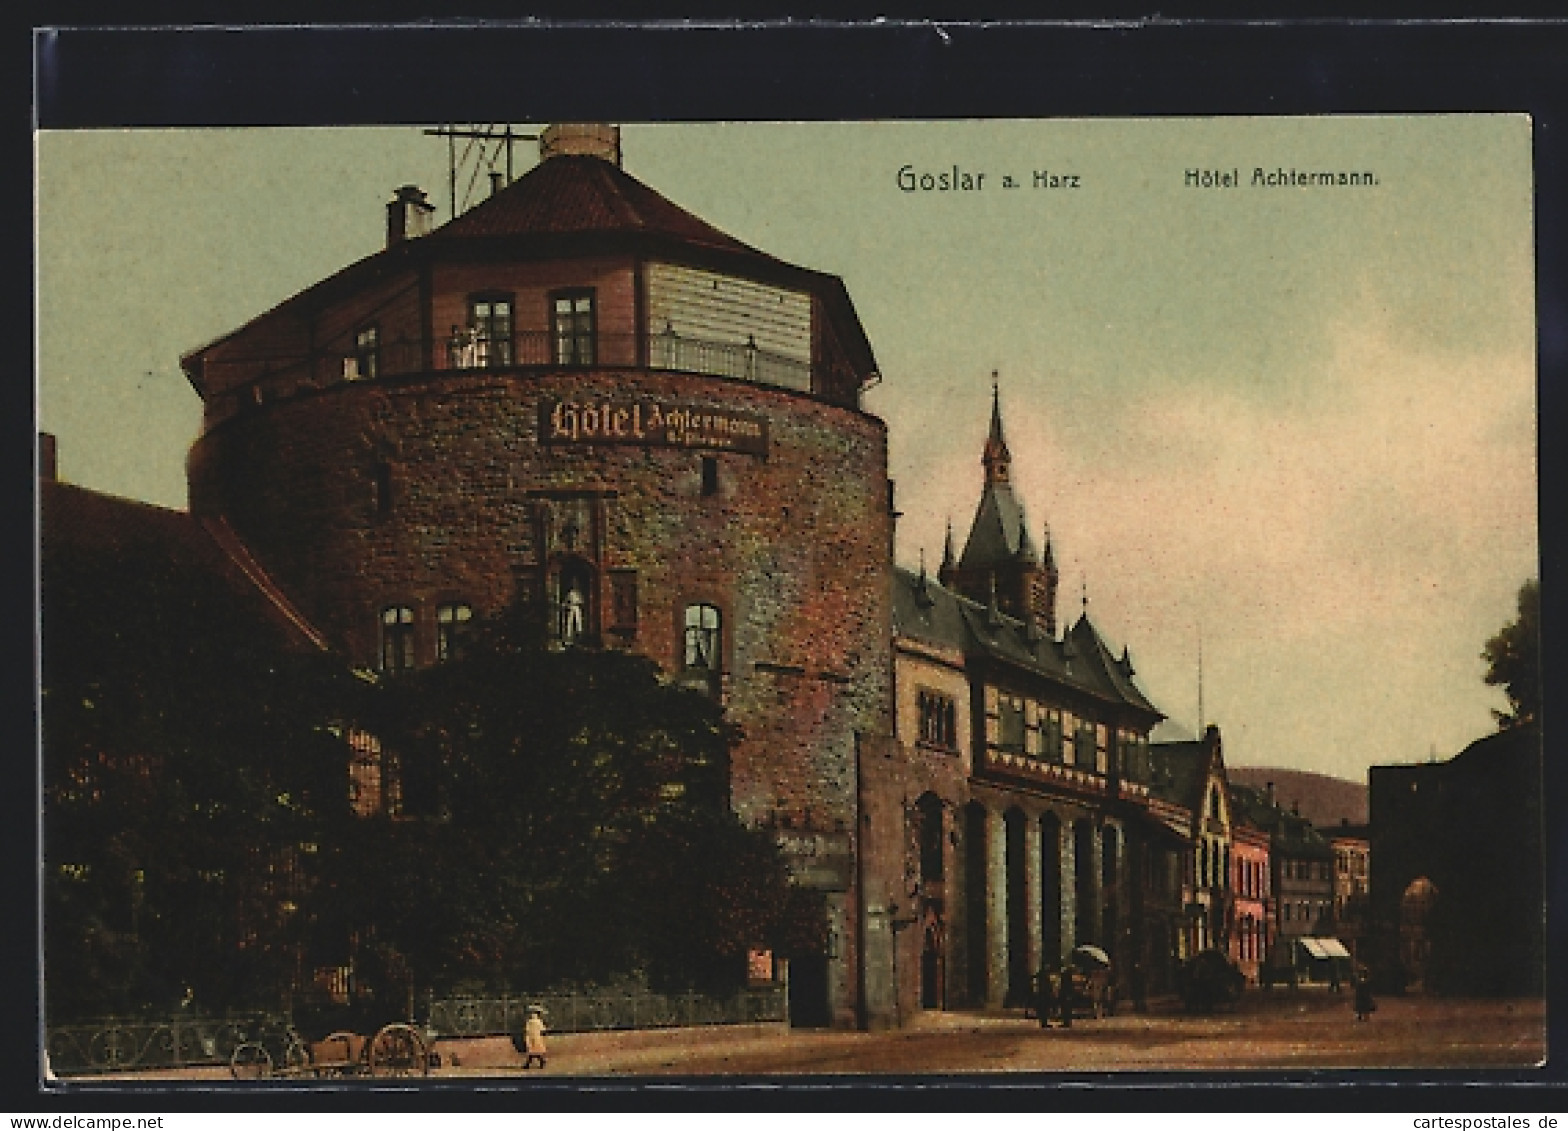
(773, 599)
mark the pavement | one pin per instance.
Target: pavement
(1266, 1031)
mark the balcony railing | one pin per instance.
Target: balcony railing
(284, 376)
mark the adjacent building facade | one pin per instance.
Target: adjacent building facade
(1457, 882)
(1022, 772)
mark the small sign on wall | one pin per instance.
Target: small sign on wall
(615, 420)
(759, 965)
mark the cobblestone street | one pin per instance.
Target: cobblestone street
(1280, 1031)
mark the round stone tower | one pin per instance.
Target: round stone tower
(580, 397)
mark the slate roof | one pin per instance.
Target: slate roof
(1291, 834)
(1178, 772)
(998, 529)
(923, 610)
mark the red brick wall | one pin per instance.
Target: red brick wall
(794, 547)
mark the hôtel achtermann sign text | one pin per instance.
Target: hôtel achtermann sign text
(613, 420)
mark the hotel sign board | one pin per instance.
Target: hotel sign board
(650, 422)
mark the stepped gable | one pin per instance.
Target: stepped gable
(1324, 800)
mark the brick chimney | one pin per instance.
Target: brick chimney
(48, 460)
(408, 215)
(588, 139)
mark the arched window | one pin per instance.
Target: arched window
(930, 810)
(397, 638)
(452, 623)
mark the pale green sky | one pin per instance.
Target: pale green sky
(1298, 420)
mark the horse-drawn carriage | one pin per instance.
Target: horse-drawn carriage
(396, 1048)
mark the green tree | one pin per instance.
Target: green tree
(189, 766)
(1513, 660)
(574, 827)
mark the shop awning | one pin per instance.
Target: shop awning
(1092, 953)
(1323, 947)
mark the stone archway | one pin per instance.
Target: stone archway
(1416, 908)
(1085, 885)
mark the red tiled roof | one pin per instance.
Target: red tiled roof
(573, 193)
(73, 517)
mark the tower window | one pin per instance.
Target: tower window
(701, 660)
(488, 340)
(397, 638)
(710, 475)
(452, 624)
(367, 353)
(623, 602)
(572, 327)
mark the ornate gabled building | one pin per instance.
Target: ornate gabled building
(1024, 772)
(1190, 776)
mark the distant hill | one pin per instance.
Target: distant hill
(1323, 800)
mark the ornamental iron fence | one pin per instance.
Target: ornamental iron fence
(123, 1044)
(584, 1012)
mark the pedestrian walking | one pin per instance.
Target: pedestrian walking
(1364, 1003)
(1042, 997)
(1064, 996)
(533, 1038)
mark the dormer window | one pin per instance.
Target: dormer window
(572, 327)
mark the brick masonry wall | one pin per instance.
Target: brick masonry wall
(793, 547)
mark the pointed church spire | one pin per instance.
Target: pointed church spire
(923, 596)
(996, 459)
(948, 560)
(1025, 550)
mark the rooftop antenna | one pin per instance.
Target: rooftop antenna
(1200, 677)
(502, 136)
